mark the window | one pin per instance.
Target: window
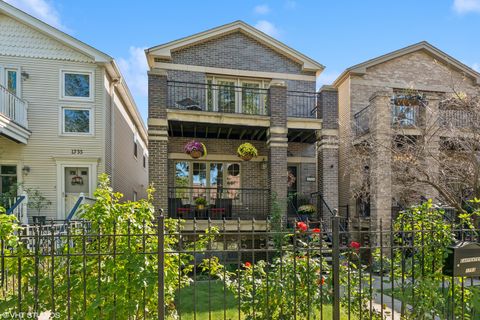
(77, 85)
(11, 80)
(135, 195)
(144, 161)
(77, 120)
(207, 179)
(8, 185)
(236, 95)
(135, 148)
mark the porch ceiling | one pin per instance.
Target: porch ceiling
(301, 135)
(215, 131)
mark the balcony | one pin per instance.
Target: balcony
(217, 98)
(13, 116)
(459, 119)
(302, 104)
(405, 117)
(361, 122)
(221, 203)
(402, 117)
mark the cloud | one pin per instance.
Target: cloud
(465, 6)
(476, 66)
(134, 70)
(267, 27)
(327, 78)
(261, 9)
(41, 9)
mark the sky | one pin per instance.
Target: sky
(338, 34)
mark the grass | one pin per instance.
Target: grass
(215, 311)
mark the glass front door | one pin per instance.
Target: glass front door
(292, 189)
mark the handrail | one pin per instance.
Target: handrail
(13, 107)
(75, 207)
(16, 204)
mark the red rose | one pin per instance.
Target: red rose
(302, 226)
(316, 230)
(321, 281)
(355, 245)
(248, 264)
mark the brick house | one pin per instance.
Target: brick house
(368, 109)
(230, 85)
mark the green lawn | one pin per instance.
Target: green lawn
(217, 302)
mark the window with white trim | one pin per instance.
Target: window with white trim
(77, 120)
(77, 85)
(236, 95)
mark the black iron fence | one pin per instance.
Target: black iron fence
(218, 203)
(459, 119)
(247, 99)
(234, 270)
(302, 104)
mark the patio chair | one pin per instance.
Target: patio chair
(223, 207)
(177, 209)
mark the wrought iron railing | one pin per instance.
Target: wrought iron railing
(361, 121)
(228, 203)
(13, 107)
(217, 98)
(460, 119)
(301, 104)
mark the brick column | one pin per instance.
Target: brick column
(158, 137)
(327, 151)
(432, 155)
(277, 144)
(381, 156)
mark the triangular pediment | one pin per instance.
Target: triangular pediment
(24, 35)
(165, 51)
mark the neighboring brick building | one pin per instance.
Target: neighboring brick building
(230, 85)
(367, 109)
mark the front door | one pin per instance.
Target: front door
(76, 181)
(292, 190)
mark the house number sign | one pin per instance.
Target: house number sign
(77, 151)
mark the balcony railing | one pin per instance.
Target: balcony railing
(460, 119)
(302, 104)
(13, 107)
(228, 203)
(217, 98)
(361, 121)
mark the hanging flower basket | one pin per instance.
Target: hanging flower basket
(307, 209)
(195, 149)
(246, 151)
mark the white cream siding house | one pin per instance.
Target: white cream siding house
(46, 155)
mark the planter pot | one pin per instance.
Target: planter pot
(246, 157)
(200, 206)
(195, 154)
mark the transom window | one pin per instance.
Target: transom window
(77, 85)
(77, 120)
(236, 95)
(207, 179)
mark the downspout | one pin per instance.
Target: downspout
(113, 84)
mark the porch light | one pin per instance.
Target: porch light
(25, 170)
(264, 164)
(25, 75)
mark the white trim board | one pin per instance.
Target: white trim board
(232, 72)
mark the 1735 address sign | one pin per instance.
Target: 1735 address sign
(77, 151)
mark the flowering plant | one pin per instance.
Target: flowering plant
(307, 209)
(247, 151)
(302, 226)
(194, 146)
